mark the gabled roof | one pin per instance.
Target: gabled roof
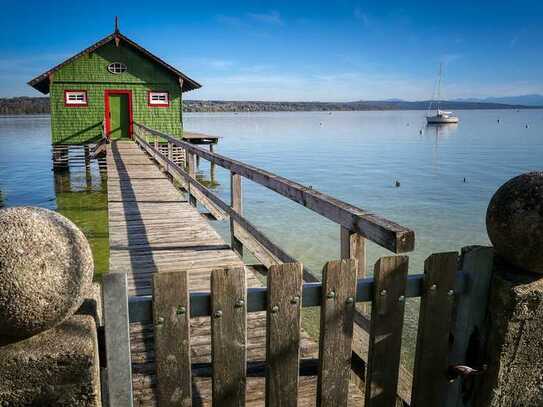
(42, 82)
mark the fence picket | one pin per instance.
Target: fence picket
(171, 316)
(336, 332)
(431, 358)
(117, 338)
(283, 324)
(229, 336)
(387, 312)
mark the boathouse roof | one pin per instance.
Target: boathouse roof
(42, 82)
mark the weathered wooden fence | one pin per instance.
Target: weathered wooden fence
(448, 317)
(448, 313)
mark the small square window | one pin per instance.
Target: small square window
(75, 97)
(159, 99)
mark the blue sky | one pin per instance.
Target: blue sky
(295, 50)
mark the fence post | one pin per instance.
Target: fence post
(117, 338)
(387, 311)
(471, 307)
(283, 324)
(192, 173)
(171, 317)
(336, 332)
(236, 201)
(430, 379)
(229, 336)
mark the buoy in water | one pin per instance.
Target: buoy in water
(420, 131)
(464, 179)
(397, 184)
(526, 126)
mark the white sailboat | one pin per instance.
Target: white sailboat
(440, 117)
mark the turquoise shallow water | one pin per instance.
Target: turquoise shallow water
(354, 156)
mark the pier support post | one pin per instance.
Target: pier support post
(237, 205)
(86, 150)
(211, 167)
(60, 157)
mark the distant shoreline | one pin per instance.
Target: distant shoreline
(40, 105)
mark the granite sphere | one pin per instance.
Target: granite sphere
(514, 222)
(45, 268)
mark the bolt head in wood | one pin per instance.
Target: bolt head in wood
(240, 303)
(295, 299)
(383, 293)
(275, 309)
(180, 310)
(433, 287)
(160, 321)
(450, 292)
(401, 298)
(349, 300)
(217, 314)
(331, 294)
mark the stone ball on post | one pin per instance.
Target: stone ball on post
(514, 222)
(46, 267)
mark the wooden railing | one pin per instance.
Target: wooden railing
(352, 220)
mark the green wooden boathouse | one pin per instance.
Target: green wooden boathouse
(108, 86)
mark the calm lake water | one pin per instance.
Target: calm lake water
(447, 174)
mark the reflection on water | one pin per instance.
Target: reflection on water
(81, 196)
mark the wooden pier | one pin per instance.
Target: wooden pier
(154, 229)
(188, 323)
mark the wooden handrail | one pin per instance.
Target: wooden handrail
(211, 199)
(381, 231)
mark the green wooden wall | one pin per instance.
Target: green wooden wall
(80, 125)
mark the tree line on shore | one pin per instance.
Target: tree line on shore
(40, 105)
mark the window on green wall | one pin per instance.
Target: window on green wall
(158, 99)
(75, 98)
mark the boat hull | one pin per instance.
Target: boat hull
(441, 120)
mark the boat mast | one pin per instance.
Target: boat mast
(439, 86)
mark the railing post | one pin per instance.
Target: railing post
(353, 246)
(237, 205)
(156, 142)
(192, 173)
(170, 156)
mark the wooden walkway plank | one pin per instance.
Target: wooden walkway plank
(336, 332)
(387, 312)
(171, 316)
(283, 334)
(430, 379)
(229, 336)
